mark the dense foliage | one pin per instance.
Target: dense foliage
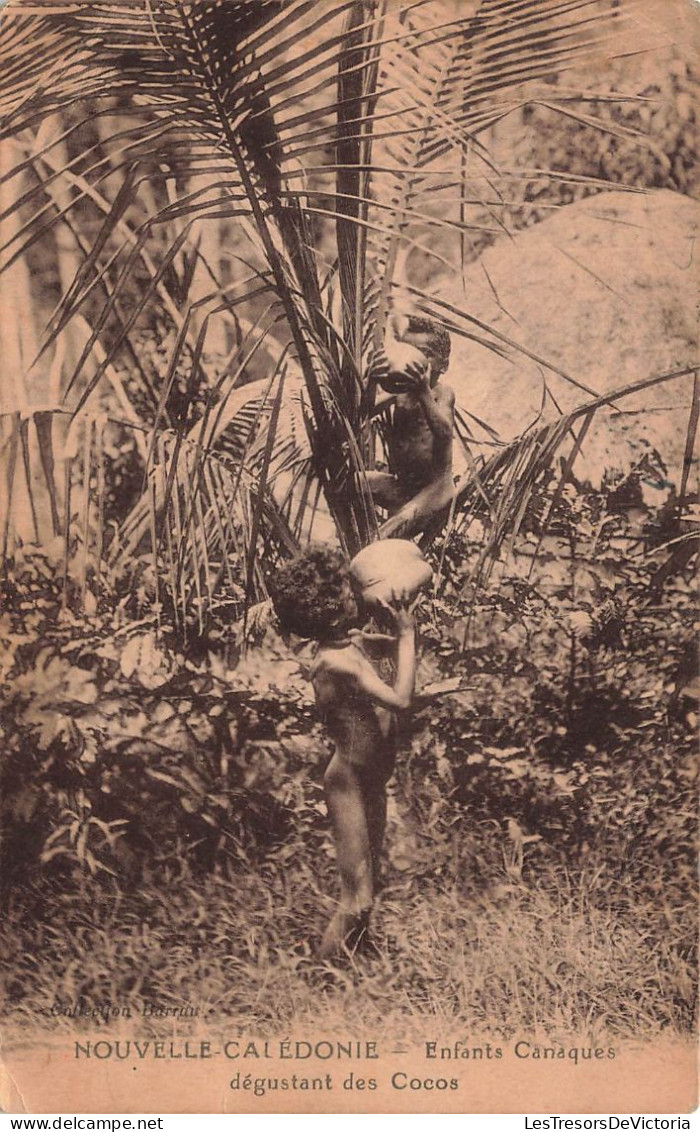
(130, 768)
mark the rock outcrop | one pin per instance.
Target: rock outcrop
(606, 292)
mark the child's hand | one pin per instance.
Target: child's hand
(417, 372)
(404, 622)
(400, 610)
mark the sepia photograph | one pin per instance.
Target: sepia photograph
(349, 524)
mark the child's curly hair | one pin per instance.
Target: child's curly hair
(440, 343)
(308, 592)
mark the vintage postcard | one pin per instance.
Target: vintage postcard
(348, 514)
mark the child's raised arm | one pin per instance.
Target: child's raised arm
(360, 670)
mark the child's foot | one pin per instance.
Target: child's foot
(346, 933)
(357, 938)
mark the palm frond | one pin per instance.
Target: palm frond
(500, 488)
(311, 132)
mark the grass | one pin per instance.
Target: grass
(550, 952)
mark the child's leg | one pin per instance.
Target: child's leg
(375, 809)
(413, 515)
(385, 490)
(346, 807)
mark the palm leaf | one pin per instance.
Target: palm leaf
(286, 120)
(506, 480)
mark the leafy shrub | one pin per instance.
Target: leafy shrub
(570, 747)
(124, 758)
(121, 756)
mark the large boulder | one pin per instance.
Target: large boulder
(605, 291)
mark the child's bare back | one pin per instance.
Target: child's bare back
(362, 730)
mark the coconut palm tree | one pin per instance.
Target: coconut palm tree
(314, 142)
